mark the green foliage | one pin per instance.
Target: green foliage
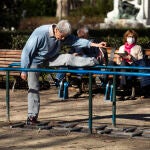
(13, 40)
(113, 37)
(113, 41)
(98, 8)
(104, 6)
(19, 41)
(144, 41)
(5, 40)
(10, 13)
(118, 32)
(29, 24)
(14, 11)
(39, 7)
(117, 41)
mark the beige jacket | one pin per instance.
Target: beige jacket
(136, 52)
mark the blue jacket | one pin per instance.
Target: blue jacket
(43, 46)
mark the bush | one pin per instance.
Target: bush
(29, 24)
(13, 40)
(19, 41)
(117, 41)
(16, 40)
(5, 40)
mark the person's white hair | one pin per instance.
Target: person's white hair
(64, 27)
(84, 29)
(83, 32)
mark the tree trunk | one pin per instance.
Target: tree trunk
(62, 8)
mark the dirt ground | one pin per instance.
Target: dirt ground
(129, 113)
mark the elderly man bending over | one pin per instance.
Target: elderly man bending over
(43, 47)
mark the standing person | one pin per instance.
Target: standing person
(129, 54)
(43, 47)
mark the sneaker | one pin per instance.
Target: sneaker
(32, 120)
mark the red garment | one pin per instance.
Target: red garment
(128, 49)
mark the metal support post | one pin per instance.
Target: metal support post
(90, 103)
(7, 96)
(114, 101)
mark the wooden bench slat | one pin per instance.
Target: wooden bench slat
(4, 65)
(147, 52)
(11, 73)
(6, 62)
(10, 51)
(10, 55)
(9, 59)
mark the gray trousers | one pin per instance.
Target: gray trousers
(33, 93)
(33, 78)
(71, 60)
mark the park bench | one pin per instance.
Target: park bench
(82, 81)
(7, 57)
(112, 56)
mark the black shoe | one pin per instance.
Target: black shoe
(120, 88)
(32, 121)
(121, 98)
(56, 82)
(132, 98)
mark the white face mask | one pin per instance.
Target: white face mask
(130, 40)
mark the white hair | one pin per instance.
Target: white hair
(64, 27)
(84, 29)
(83, 32)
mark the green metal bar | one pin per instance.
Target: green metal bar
(7, 96)
(114, 101)
(90, 103)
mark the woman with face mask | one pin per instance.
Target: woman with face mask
(130, 49)
(129, 54)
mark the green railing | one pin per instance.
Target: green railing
(90, 72)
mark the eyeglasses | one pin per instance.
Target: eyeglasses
(60, 35)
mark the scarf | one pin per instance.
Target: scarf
(128, 50)
(128, 47)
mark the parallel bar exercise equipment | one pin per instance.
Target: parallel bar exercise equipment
(90, 72)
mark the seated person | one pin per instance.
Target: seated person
(99, 54)
(129, 54)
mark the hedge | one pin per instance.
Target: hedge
(113, 37)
